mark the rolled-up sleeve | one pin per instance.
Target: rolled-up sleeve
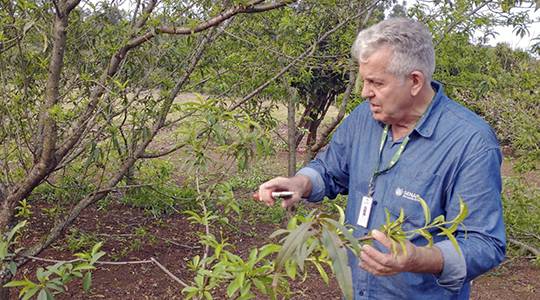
(482, 238)
(317, 183)
(454, 270)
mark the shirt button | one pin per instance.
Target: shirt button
(361, 293)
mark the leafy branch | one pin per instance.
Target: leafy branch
(319, 236)
(316, 239)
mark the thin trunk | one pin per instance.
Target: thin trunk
(47, 126)
(291, 131)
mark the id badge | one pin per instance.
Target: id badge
(365, 210)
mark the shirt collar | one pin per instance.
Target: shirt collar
(426, 126)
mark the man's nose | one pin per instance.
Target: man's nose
(366, 91)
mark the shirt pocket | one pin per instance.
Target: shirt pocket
(403, 193)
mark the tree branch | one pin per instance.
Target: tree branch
(524, 246)
(307, 53)
(457, 22)
(323, 140)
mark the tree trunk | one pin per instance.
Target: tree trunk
(291, 131)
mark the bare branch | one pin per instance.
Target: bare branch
(522, 245)
(309, 52)
(457, 22)
(70, 5)
(116, 60)
(323, 139)
(147, 10)
(168, 272)
(147, 155)
(268, 6)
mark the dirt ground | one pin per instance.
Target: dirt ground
(131, 235)
(172, 241)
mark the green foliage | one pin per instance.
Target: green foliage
(7, 255)
(316, 239)
(499, 84)
(160, 194)
(521, 208)
(323, 236)
(78, 240)
(69, 188)
(23, 210)
(53, 280)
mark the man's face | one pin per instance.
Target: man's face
(389, 96)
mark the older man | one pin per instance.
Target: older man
(408, 139)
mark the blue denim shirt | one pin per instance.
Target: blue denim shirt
(451, 153)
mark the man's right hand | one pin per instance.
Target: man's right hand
(300, 185)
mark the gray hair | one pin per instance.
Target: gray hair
(410, 41)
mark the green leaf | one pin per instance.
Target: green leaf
(427, 211)
(234, 286)
(338, 255)
(295, 239)
(278, 233)
(427, 235)
(50, 295)
(96, 248)
(347, 234)
(268, 249)
(16, 283)
(87, 281)
(290, 269)
(29, 292)
(450, 235)
(83, 266)
(341, 219)
(463, 212)
(438, 220)
(12, 267)
(14, 230)
(190, 289)
(260, 286)
(42, 295)
(321, 270)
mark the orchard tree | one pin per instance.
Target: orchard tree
(84, 91)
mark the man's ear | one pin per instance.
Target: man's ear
(417, 82)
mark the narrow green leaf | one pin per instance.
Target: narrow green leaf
(427, 235)
(338, 255)
(292, 242)
(30, 292)
(278, 233)
(450, 235)
(83, 266)
(290, 269)
(268, 249)
(463, 212)
(341, 219)
(347, 234)
(42, 295)
(260, 286)
(234, 286)
(16, 283)
(321, 270)
(96, 248)
(87, 281)
(427, 211)
(438, 220)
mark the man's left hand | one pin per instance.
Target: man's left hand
(414, 259)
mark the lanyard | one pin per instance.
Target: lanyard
(393, 161)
